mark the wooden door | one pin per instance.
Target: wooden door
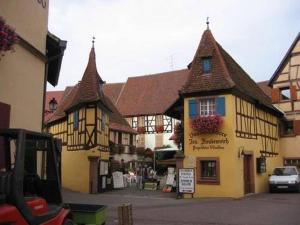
(248, 174)
(4, 123)
(93, 175)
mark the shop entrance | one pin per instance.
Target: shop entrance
(4, 123)
(248, 174)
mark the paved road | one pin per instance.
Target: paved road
(160, 209)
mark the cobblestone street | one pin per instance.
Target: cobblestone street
(158, 208)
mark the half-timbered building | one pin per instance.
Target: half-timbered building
(94, 134)
(143, 101)
(81, 121)
(230, 126)
(285, 93)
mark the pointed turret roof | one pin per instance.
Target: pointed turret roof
(90, 86)
(226, 74)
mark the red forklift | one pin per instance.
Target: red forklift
(30, 190)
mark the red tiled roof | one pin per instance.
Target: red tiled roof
(150, 94)
(265, 87)
(90, 86)
(113, 90)
(225, 74)
(65, 102)
(219, 77)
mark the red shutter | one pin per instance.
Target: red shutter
(4, 123)
(293, 93)
(275, 95)
(297, 127)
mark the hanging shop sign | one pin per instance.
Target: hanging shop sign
(205, 142)
(186, 181)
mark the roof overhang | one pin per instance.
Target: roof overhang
(55, 52)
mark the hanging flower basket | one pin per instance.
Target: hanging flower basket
(206, 124)
(159, 128)
(8, 37)
(141, 130)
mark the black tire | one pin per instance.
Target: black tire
(68, 222)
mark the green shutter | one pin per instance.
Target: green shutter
(193, 112)
(220, 106)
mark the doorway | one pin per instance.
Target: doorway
(248, 174)
(4, 123)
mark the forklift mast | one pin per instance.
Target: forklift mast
(30, 176)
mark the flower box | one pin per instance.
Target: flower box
(206, 124)
(159, 128)
(141, 130)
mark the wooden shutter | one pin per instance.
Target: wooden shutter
(297, 127)
(293, 93)
(4, 123)
(275, 95)
(220, 106)
(193, 108)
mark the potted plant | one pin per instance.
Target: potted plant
(8, 37)
(206, 124)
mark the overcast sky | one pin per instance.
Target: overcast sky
(139, 37)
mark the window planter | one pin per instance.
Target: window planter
(8, 37)
(206, 124)
(159, 128)
(141, 130)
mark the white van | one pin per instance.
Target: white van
(285, 178)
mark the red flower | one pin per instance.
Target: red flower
(206, 124)
(141, 130)
(8, 37)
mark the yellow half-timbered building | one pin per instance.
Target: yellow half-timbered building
(81, 121)
(285, 93)
(230, 126)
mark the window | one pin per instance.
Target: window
(208, 171)
(287, 127)
(207, 106)
(206, 64)
(285, 93)
(292, 162)
(103, 122)
(76, 119)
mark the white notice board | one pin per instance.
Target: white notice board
(118, 179)
(186, 181)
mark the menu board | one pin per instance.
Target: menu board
(118, 179)
(186, 181)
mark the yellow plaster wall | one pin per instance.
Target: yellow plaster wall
(29, 18)
(76, 169)
(290, 146)
(231, 162)
(228, 156)
(21, 86)
(22, 73)
(296, 48)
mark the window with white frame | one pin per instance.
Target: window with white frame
(207, 106)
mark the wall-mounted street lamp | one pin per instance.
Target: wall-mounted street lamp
(53, 105)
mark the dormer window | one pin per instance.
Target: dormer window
(206, 64)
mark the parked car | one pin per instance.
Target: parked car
(286, 178)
